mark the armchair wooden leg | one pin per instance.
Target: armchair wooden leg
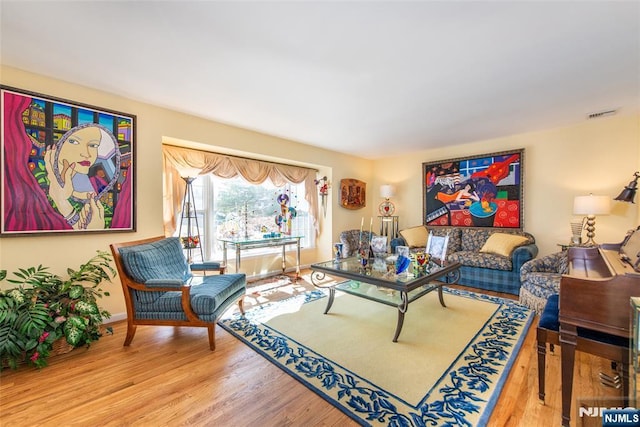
(241, 305)
(131, 331)
(212, 336)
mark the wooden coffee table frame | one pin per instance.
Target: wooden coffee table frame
(409, 287)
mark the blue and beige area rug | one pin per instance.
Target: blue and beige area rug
(447, 368)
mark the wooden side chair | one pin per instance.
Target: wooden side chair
(608, 346)
(159, 288)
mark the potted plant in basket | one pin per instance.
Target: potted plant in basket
(46, 313)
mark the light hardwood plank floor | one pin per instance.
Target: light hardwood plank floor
(168, 377)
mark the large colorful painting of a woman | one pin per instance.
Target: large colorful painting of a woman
(477, 191)
(65, 167)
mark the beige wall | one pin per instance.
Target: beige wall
(153, 126)
(598, 156)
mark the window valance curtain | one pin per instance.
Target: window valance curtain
(182, 162)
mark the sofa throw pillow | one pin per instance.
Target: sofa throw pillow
(503, 244)
(415, 236)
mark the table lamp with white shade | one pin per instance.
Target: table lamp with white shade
(591, 206)
(386, 208)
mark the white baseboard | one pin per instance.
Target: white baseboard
(116, 318)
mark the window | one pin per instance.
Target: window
(236, 208)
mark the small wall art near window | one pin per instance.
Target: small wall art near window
(65, 167)
(477, 191)
(353, 193)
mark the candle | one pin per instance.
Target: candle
(360, 236)
(369, 250)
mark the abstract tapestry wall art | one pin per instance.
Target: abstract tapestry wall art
(478, 191)
(64, 167)
(353, 193)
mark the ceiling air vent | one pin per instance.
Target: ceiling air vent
(600, 114)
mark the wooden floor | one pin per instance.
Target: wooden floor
(168, 377)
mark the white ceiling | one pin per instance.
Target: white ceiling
(368, 78)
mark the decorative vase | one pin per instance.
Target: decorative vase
(422, 259)
(576, 232)
(338, 249)
(364, 261)
(402, 263)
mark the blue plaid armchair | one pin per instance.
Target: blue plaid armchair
(540, 279)
(350, 239)
(159, 288)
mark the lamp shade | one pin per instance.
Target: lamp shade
(629, 192)
(386, 191)
(591, 205)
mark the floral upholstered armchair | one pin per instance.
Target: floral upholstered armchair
(350, 239)
(540, 279)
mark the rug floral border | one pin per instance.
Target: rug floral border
(464, 396)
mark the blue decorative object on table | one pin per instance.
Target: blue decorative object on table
(338, 249)
(402, 263)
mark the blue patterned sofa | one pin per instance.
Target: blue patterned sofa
(159, 288)
(481, 269)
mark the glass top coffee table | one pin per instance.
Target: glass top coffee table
(378, 284)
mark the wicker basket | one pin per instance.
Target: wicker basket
(60, 346)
